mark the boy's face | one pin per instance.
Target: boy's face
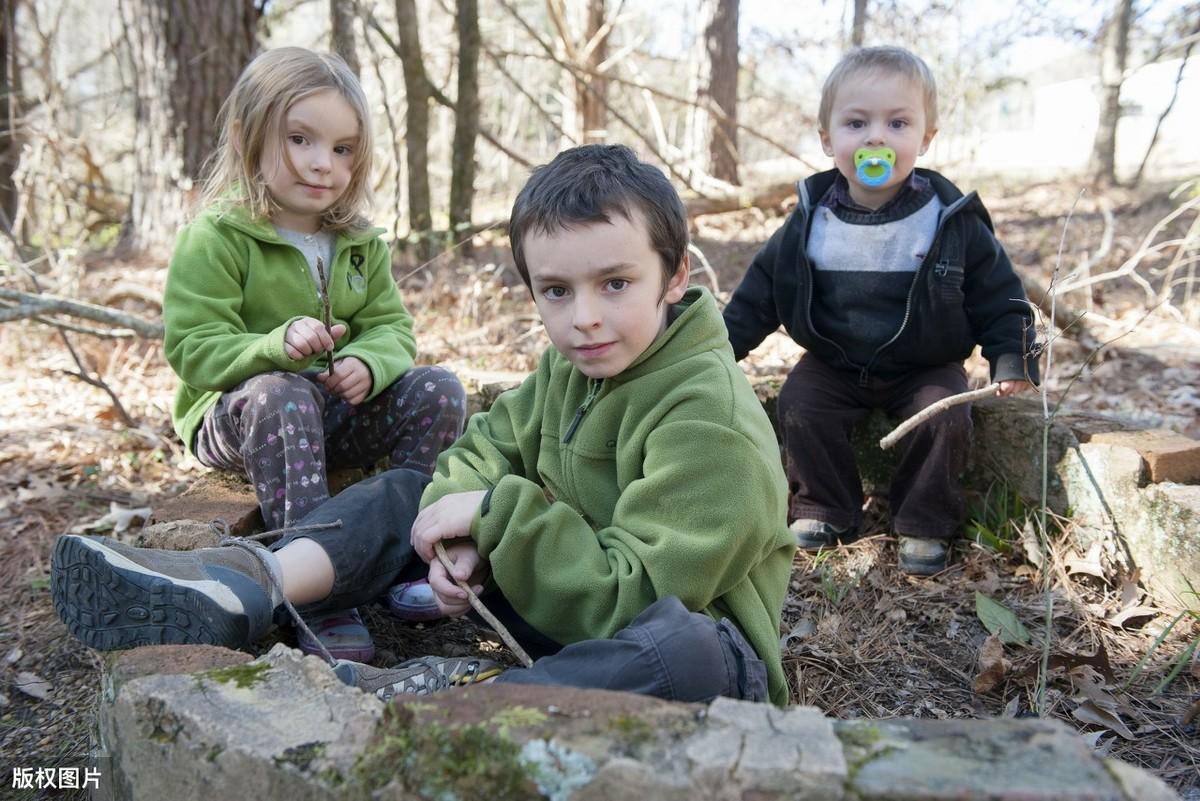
(599, 290)
(877, 109)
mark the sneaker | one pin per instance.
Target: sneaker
(813, 535)
(420, 676)
(112, 596)
(343, 634)
(413, 601)
(919, 556)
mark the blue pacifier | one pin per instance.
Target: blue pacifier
(874, 164)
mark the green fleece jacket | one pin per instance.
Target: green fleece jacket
(606, 495)
(233, 288)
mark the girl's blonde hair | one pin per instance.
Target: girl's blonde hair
(255, 113)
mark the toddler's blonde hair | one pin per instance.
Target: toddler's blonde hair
(255, 113)
(895, 60)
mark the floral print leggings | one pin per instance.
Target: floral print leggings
(284, 430)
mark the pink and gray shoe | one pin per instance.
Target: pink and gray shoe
(413, 601)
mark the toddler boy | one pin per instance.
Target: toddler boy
(888, 277)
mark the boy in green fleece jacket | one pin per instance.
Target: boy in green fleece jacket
(624, 507)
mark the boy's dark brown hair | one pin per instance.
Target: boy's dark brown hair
(587, 184)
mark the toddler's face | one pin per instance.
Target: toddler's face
(599, 291)
(876, 110)
(320, 134)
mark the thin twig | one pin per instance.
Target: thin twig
(478, 606)
(43, 303)
(325, 314)
(934, 409)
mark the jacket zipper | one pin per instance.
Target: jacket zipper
(594, 385)
(939, 269)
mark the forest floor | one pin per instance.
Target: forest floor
(860, 639)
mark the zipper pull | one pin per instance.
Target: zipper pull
(593, 391)
(862, 377)
(941, 268)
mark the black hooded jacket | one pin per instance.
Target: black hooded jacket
(964, 293)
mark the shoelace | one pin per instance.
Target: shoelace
(256, 550)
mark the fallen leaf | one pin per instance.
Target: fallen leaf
(1089, 564)
(1118, 620)
(1130, 592)
(13, 656)
(1031, 545)
(118, 520)
(33, 685)
(1012, 707)
(993, 667)
(803, 628)
(1000, 620)
(1090, 713)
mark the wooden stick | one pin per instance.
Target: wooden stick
(933, 409)
(478, 606)
(325, 314)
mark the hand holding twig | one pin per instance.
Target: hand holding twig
(933, 409)
(478, 606)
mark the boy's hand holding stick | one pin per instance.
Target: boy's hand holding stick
(478, 606)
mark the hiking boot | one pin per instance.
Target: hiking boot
(813, 535)
(420, 676)
(918, 556)
(113, 596)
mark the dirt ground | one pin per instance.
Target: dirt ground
(860, 639)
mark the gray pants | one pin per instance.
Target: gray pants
(666, 651)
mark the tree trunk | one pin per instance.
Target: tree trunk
(1113, 56)
(186, 55)
(416, 123)
(341, 22)
(10, 149)
(593, 90)
(721, 42)
(859, 25)
(466, 118)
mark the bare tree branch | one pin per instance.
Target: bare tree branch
(54, 304)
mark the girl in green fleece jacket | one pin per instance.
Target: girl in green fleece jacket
(293, 349)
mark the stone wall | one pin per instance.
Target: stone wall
(185, 722)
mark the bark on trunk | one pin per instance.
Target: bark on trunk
(1113, 57)
(859, 25)
(341, 22)
(9, 81)
(416, 117)
(593, 90)
(186, 55)
(466, 118)
(721, 42)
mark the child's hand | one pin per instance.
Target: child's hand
(1011, 388)
(307, 336)
(448, 518)
(351, 380)
(468, 566)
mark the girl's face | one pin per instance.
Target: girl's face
(320, 135)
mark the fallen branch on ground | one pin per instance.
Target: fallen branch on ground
(934, 409)
(32, 305)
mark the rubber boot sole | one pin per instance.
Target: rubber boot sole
(109, 607)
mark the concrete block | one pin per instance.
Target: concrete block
(1168, 455)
